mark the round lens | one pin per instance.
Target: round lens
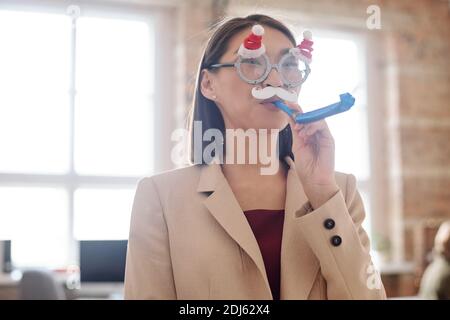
(293, 70)
(253, 69)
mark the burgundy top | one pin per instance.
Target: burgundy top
(267, 226)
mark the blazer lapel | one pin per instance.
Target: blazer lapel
(223, 205)
(299, 266)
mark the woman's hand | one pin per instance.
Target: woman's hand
(313, 149)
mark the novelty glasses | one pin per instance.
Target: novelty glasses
(293, 71)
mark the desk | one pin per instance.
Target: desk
(8, 280)
(105, 290)
(399, 279)
(9, 289)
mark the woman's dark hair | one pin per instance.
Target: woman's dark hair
(206, 110)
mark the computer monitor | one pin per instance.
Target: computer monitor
(102, 261)
(5, 256)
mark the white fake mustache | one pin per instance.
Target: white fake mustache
(269, 92)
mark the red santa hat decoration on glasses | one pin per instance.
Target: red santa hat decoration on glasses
(304, 50)
(253, 46)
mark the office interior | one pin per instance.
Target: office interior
(91, 92)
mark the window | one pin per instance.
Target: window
(99, 213)
(114, 97)
(36, 218)
(34, 83)
(338, 67)
(76, 119)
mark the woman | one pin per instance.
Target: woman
(225, 231)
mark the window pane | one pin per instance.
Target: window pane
(114, 56)
(34, 82)
(36, 220)
(366, 223)
(113, 135)
(102, 214)
(335, 69)
(350, 132)
(114, 97)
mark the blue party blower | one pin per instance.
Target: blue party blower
(347, 101)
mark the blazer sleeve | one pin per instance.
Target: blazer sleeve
(148, 273)
(347, 267)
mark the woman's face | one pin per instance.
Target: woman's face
(233, 95)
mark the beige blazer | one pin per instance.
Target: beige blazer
(189, 239)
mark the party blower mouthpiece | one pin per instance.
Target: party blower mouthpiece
(346, 102)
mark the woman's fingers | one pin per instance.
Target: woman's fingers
(314, 127)
(294, 106)
(299, 126)
(318, 127)
(309, 128)
(308, 132)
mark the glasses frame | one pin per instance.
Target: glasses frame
(269, 68)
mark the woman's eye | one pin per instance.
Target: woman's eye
(249, 61)
(291, 65)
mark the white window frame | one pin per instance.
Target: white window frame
(161, 18)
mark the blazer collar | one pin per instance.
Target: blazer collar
(298, 264)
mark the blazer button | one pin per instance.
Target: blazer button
(336, 241)
(329, 224)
